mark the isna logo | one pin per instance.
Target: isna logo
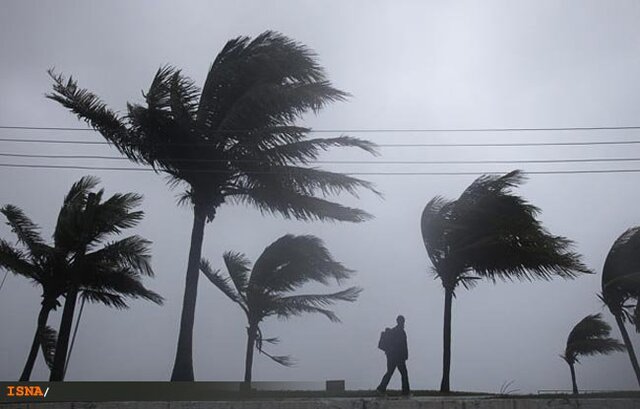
(23, 391)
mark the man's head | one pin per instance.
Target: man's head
(400, 321)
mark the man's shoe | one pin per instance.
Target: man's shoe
(380, 392)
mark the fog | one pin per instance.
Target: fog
(408, 65)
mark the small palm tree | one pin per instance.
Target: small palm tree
(489, 232)
(75, 265)
(235, 140)
(265, 290)
(96, 268)
(621, 286)
(589, 337)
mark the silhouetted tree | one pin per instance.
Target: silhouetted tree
(235, 140)
(621, 286)
(97, 269)
(489, 232)
(589, 337)
(265, 290)
(75, 264)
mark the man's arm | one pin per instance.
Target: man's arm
(405, 349)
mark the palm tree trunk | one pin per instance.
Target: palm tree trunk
(252, 332)
(627, 343)
(573, 379)
(183, 364)
(43, 316)
(57, 372)
(446, 341)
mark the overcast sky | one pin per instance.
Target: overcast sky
(408, 65)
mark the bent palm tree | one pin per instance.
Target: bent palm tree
(96, 269)
(489, 232)
(234, 140)
(263, 291)
(621, 285)
(589, 337)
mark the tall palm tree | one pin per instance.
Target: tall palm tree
(489, 232)
(235, 140)
(621, 286)
(97, 268)
(265, 290)
(34, 260)
(589, 337)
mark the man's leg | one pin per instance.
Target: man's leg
(387, 376)
(402, 368)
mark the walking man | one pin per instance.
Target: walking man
(394, 344)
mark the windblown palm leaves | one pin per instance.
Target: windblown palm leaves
(621, 286)
(236, 140)
(589, 337)
(81, 262)
(266, 289)
(489, 232)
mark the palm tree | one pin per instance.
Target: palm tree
(489, 232)
(34, 260)
(589, 337)
(96, 268)
(235, 140)
(265, 290)
(109, 275)
(621, 285)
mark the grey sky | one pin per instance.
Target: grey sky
(408, 64)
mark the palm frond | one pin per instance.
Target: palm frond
(27, 232)
(433, 225)
(284, 307)
(118, 280)
(17, 262)
(289, 308)
(244, 65)
(291, 261)
(323, 300)
(284, 360)
(81, 189)
(302, 151)
(238, 267)
(89, 108)
(104, 297)
(223, 283)
(294, 205)
(130, 252)
(590, 337)
(621, 271)
(304, 181)
(48, 338)
(277, 103)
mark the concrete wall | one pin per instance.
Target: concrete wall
(350, 403)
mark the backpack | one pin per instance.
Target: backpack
(385, 340)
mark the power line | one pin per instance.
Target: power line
(404, 145)
(550, 172)
(354, 162)
(378, 130)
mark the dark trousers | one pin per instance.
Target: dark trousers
(392, 364)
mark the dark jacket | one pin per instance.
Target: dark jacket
(398, 345)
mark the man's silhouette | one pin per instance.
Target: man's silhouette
(397, 353)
